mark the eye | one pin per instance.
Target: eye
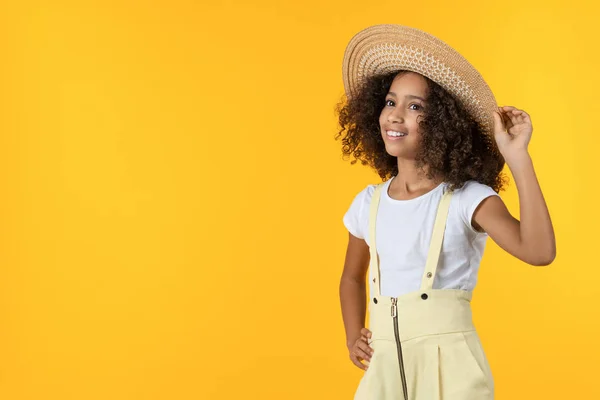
(389, 101)
(416, 105)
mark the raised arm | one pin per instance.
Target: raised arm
(532, 238)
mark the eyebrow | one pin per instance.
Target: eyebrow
(408, 96)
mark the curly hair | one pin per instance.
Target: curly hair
(452, 145)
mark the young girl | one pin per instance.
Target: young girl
(422, 116)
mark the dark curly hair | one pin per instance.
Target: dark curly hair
(452, 145)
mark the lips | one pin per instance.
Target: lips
(395, 135)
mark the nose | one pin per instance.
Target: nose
(395, 116)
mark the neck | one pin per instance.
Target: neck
(411, 179)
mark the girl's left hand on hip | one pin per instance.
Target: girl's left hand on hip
(512, 130)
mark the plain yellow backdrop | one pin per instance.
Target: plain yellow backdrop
(172, 196)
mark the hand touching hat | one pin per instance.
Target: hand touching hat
(512, 131)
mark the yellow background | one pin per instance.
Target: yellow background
(172, 196)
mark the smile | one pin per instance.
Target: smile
(393, 135)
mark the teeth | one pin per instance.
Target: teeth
(396, 134)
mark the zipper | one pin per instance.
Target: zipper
(399, 346)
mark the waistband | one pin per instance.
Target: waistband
(421, 313)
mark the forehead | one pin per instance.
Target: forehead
(409, 82)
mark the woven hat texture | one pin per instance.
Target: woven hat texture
(384, 48)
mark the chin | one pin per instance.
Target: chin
(393, 153)
(395, 150)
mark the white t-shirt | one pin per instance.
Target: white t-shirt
(404, 229)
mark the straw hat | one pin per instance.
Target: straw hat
(385, 48)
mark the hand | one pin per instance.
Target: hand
(360, 349)
(512, 131)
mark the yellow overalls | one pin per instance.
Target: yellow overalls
(424, 342)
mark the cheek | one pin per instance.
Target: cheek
(415, 124)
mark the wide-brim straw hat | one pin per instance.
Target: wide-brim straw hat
(387, 47)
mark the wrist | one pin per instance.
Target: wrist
(351, 340)
(516, 159)
(350, 343)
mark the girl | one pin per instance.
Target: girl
(424, 119)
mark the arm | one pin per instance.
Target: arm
(531, 239)
(353, 288)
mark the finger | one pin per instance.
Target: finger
(356, 362)
(498, 122)
(516, 117)
(506, 119)
(362, 353)
(366, 348)
(364, 342)
(366, 332)
(515, 110)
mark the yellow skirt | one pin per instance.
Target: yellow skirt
(425, 348)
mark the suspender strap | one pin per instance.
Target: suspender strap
(374, 263)
(435, 246)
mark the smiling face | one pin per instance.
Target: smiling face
(400, 116)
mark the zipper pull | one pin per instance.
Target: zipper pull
(394, 307)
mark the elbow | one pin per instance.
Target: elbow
(541, 262)
(542, 259)
(538, 253)
(351, 280)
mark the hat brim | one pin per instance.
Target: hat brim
(388, 47)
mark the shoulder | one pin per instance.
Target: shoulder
(473, 192)
(356, 217)
(475, 187)
(469, 197)
(364, 196)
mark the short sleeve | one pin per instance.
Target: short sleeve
(356, 217)
(471, 195)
